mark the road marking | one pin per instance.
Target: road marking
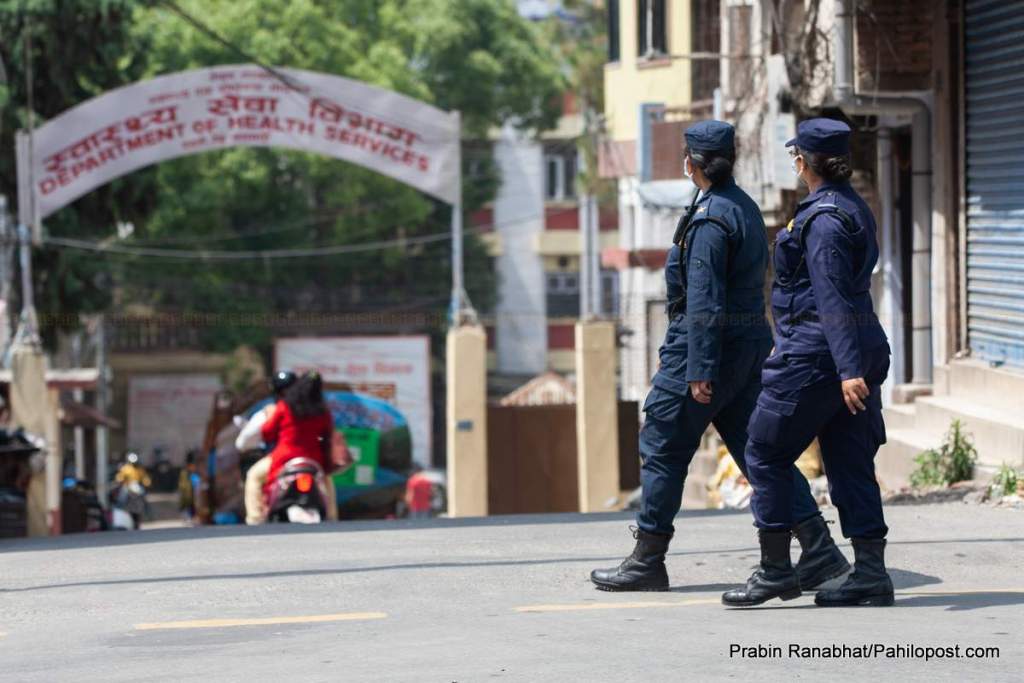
(268, 621)
(589, 606)
(970, 592)
(582, 607)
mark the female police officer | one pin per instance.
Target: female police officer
(710, 371)
(823, 380)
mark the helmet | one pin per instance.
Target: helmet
(282, 380)
(132, 457)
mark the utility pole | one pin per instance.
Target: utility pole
(28, 328)
(6, 275)
(78, 395)
(585, 205)
(102, 437)
(590, 256)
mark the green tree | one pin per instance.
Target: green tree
(78, 50)
(477, 56)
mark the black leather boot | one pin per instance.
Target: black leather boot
(820, 559)
(644, 570)
(868, 585)
(775, 578)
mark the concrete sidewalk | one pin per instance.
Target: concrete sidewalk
(507, 598)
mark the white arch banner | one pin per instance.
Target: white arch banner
(227, 106)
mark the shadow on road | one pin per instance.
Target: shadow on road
(904, 578)
(704, 588)
(305, 573)
(121, 538)
(962, 601)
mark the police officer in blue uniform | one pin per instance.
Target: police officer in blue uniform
(710, 371)
(831, 356)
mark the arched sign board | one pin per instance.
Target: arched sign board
(228, 106)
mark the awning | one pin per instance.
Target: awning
(667, 194)
(75, 414)
(75, 378)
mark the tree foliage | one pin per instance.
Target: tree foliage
(477, 56)
(78, 50)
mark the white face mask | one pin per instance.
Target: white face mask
(792, 163)
(686, 169)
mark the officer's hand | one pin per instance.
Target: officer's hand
(854, 392)
(701, 391)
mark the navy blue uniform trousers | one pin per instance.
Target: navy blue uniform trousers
(797, 405)
(675, 423)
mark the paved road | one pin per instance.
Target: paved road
(503, 598)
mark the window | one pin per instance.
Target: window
(553, 167)
(560, 176)
(569, 176)
(740, 41)
(651, 29)
(705, 73)
(613, 30)
(610, 293)
(563, 294)
(563, 283)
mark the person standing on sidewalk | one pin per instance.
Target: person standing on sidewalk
(710, 369)
(831, 356)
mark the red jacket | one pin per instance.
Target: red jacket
(295, 438)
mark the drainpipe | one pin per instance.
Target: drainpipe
(890, 309)
(918, 106)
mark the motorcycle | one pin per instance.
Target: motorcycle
(127, 505)
(297, 493)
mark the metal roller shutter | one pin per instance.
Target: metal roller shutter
(994, 82)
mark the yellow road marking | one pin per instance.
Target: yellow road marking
(581, 607)
(268, 621)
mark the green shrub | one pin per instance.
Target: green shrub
(953, 461)
(1006, 481)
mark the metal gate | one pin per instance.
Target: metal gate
(531, 457)
(994, 83)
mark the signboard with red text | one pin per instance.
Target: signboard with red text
(400, 361)
(242, 105)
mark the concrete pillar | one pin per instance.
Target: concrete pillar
(466, 374)
(35, 408)
(597, 415)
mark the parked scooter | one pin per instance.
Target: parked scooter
(296, 495)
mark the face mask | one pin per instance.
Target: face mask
(686, 169)
(796, 171)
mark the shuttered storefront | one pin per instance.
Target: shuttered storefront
(994, 82)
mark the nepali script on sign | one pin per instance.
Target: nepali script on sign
(207, 109)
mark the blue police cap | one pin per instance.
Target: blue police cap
(711, 136)
(824, 136)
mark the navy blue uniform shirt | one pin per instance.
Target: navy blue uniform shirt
(724, 288)
(821, 300)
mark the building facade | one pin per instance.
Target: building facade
(533, 230)
(930, 89)
(661, 74)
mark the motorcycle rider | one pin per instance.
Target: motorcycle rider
(251, 438)
(133, 481)
(299, 425)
